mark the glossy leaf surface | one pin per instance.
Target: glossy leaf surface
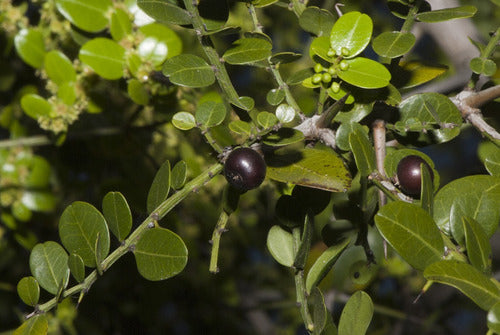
(432, 108)
(183, 120)
(76, 267)
(323, 264)
(365, 73)
(117, 214)
(164, 11)
(88, 15)
(248, 50)
(35, 106)
(317, 21)
(189, 70)
(353, 31)
(104, 56)
(28, 290)
(393, 44)
(280, 245)
(363, 152)
(49, 265)
(79, 226)
(58, 67)
(30, 47)
(311, 168)
(447, 14)
(481, 202)
(160, 254)
(210, 113)
(160, 43)
(179, 175)
(477, 244)
(37, 325)
(411, 231)
(159, 188)
(356, 315)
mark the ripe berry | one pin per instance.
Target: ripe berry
(409, 174)
(244, 169)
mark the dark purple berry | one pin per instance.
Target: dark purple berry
(409, 174)
(244, 169)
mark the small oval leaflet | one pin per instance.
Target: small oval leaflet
(160, 254)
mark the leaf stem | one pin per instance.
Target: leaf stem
(274, 67)
(128, 244)
(300, 285)
(214, 58)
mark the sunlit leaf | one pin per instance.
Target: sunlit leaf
(117, 214)
(356, 315)
(280, 245)
(159, 188)
(49, 265)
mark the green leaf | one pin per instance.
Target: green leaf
(117, 214)
(427, 190)
(183, 120)
(411, 74)
(433, 108)
(29, 291)
(489, 154)
(314, 168)
(189, 70)
(137, 92)
(363, 152)
(283, 137)
(352, 31)
(365, 73)
(285, 113)
(263, 3)
(210, 113)
(88, 15)
(104, 56)
(411, 231)
(323, 264)
(39, 201)
(275, 96)
(77, 267)
(298, 77)
(477, 244)
(480, 201)
(179, 175)
(49, 265)
(160, 254)
(280, 245)
(305, 243)
(317, 21)
(160, 43)
(393, 44)
(494, 315)
(483, 66)
(79, 226)
(266, 120)
(59, 68)
(240, 127)
(340, 94)
(67, 93)
(284, 57)
(467, 279)
(343, 132)
(320, 47)
(30, 47)
(356, 315)
(447, 14)
(121, 25)
(246, 103)
(247, 51)
(319, 312)
(37, 325)
(35, 106)
(160, 187)
(165, 11)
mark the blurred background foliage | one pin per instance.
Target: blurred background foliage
(119, 147)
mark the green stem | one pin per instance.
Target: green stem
(410, 18)
(219, 229)
(128, 244)
(214, 58)
(300, 286)
(274, 67)
(492, 44)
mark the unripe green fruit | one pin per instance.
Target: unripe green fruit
(318, 67)
(326, 77)
(343, 65)
(335, 87)
(317, 78)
